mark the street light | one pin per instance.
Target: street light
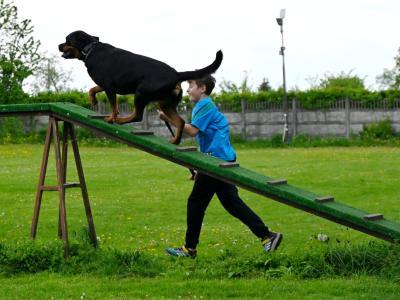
(285, 135)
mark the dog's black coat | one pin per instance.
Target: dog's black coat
(122, 72)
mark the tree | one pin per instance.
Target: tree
(342, 80)
(390, 79)
(227, 86)
(49, 76)
(18, 53)
(264, 86)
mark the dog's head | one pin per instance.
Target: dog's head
(75, 42)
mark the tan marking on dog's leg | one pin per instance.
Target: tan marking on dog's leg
(112, 98)
(179, 123)
(92, 94)
(128, 119)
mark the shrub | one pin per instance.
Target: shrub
(78, 97)
(9, 128)
(382, 130)
(316, 98)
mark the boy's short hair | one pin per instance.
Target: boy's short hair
(208, 81)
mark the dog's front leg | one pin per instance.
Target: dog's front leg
(137, 115)
(112, 98)
(92, 94)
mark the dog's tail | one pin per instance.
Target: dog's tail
(202, 72)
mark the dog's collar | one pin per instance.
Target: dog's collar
(87, 50)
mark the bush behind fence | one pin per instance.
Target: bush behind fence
(262, 106)
(257, 119)
(263, 119)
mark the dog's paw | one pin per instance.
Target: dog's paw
(120, 120)
(110, 119)
(175, 141)
(128, 119)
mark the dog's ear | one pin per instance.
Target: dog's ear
(96, 38)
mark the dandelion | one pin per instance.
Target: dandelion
(322, 237)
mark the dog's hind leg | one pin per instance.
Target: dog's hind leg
(112, 98)
(178, 122)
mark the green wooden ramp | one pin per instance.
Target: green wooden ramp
(278, 189)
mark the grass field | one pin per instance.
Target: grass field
(139, 204)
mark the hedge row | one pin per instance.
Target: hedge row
(77, 97)
(308, 98)
(311, 98)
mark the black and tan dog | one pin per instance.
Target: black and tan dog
(117, 71)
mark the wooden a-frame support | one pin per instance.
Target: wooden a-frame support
(62, 185)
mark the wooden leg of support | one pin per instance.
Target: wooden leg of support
(86, 203)
(61, 155)
(42, 177)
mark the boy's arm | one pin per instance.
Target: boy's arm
(188, 129)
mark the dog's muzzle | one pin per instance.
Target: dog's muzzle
(65, 50)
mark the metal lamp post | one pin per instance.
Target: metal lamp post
(285, 134)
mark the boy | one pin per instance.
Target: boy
(211, 130)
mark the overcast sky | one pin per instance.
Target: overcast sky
(320, 36)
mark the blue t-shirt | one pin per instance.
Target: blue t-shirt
(213, 135)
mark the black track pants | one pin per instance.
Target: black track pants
(203, 190)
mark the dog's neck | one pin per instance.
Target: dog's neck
(87, 50)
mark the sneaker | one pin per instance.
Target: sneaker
(272, 243)
(181, 251)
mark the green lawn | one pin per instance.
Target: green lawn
(139, 204)
(44, 286)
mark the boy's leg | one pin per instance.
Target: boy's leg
(202, 193)
(229, 197)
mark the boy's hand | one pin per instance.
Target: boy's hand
(194, 175)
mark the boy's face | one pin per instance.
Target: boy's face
(195, 92)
